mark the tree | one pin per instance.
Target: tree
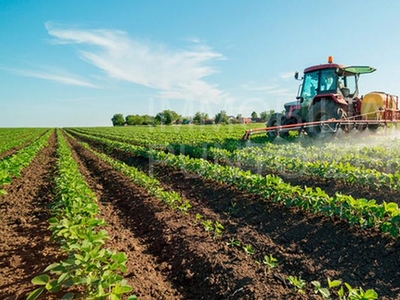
(221, 118)
(148, 120)
(254, 115)
(166, 117)
(134, 120)
(199, 118)
(118, 120)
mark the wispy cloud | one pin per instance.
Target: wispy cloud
(254, 87)
(54, 75)
(178, 74)
(287, 75)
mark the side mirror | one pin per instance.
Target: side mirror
(296, 75)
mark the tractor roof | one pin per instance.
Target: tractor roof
(343, 70)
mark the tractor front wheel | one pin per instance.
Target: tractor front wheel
(276, 119)
(323, 110)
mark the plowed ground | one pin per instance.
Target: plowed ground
(171, 256)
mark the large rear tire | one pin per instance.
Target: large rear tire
(323, 110)
(276, 119)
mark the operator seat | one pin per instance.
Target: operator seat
(345, 92)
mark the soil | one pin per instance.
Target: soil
(171, 256)
(26, 249)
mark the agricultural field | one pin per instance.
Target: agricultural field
(194, 212)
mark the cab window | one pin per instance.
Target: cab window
(328, 81)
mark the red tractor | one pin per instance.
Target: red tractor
(329, 100)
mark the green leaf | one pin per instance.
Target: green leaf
(334, 283)
(52, 266)
(63, 277)
(35, 294)
(41, 279)
(53, 286)
(68, 296)
(132, 297)
(119, 257)
(395, 220)
(370, 294)
(122, 289)
(324, 292)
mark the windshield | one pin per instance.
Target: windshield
(328, 81)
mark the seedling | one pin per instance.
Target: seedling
(208, 225)
(198, 218)
(318, 289)
(232, 209)
(218, 227)
(233, 243)
(297, 283)
(248, 249)
(270, 261)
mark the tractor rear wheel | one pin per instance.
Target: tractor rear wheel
(276, 119)
(323, 110)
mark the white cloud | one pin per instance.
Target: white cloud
(53, 75)
(287, 75)
(253, 87)
(177, 74)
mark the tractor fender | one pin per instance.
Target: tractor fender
(331, 97)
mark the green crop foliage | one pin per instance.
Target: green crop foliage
(75, 226)
(360, 212)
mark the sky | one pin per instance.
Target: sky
(77, 63)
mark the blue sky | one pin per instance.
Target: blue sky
(77, 63)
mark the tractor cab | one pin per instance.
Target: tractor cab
(330, 81)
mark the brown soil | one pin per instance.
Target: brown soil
(172, 257)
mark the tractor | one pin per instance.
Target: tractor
(328, 100)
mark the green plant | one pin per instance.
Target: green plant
(270, 261)
(198, 218)
(298, 284)
(208, 225)
(318, 289)
(232, 209)
(356, 293)
(218, 227)
(233, 243)
(248, 249)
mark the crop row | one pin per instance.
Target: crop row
(261, 160)
(345, 164)
(11, 166)
(365, 213)
(197, 141)
(14, 137)
(172, 138)
(139, 178)
(75, 226)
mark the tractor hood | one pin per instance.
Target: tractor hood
(358, 69)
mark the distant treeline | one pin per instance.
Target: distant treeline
(168, 117)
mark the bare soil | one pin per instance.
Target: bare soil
(171, 256)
